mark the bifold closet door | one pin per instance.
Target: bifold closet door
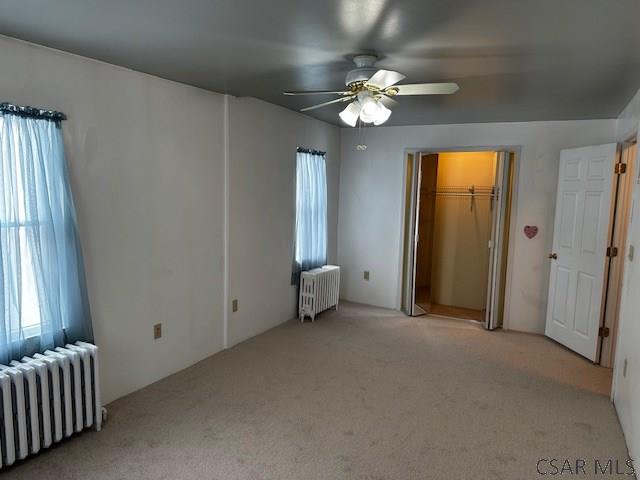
(497, 244)
(408, 281)
(412, 233)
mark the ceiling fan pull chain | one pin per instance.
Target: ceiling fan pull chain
(361, 146)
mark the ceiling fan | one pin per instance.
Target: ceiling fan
(370, 92)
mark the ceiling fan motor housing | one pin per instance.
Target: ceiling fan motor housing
(365, 69)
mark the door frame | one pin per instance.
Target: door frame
(618, 232)
(516, 150)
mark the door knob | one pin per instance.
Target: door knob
(553, 256)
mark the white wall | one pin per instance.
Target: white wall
(371, 186)
(147, 166)
(263, 145)
(626, 391)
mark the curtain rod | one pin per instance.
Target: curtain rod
(311, 151)
(31, 112)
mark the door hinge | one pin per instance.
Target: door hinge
(603, 332)
(612, 252)
(620, 168)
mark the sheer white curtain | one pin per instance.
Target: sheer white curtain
(311, 211)
(43, 297)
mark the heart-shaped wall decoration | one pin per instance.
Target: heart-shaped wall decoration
(530, 231)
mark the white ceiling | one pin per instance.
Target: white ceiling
(515, 60)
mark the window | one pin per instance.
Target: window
(311, 210)
(18, 225)
(29, 301)
(43, 299)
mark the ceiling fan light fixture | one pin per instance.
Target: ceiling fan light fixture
(370, 113)
(383, 114)
(372, 110)
(351, 114)
(369, 106)
(364, 118)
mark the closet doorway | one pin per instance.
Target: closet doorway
(457, 210)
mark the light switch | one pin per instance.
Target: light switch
(366, 275)
(631, 249)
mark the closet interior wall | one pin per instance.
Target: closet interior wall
(455, 219)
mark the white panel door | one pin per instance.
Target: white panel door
(580, 240)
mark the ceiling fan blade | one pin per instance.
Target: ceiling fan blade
(316, 92)
(388, 101)
(427, 89)
(385, 78)
(337, 100)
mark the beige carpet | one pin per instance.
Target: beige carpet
(363, 393)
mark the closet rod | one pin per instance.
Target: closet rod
(447, 194)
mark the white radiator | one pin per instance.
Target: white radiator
(319, 290)
(46, 398)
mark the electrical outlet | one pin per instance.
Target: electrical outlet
(366, 275)
(624, 368)
(234, 305)
(157, 331)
